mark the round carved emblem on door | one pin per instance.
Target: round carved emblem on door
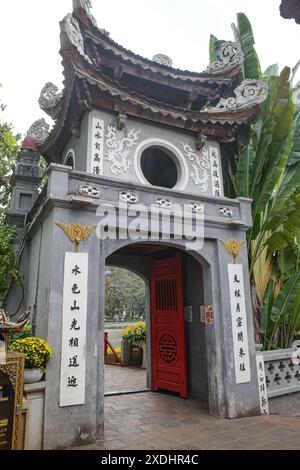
(167, 347)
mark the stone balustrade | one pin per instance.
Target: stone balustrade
(282, 370)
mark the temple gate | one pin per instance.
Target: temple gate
(144, 139)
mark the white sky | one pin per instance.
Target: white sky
(29, 39)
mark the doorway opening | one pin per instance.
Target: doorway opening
(175, 350)
(125, 328)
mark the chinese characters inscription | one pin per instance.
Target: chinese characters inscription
(72, 381)
(96, 149)
(215, 167)
(239, 323)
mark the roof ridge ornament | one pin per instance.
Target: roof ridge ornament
(40, 130)
(71, 35)
(163, 59)
(50, 100)
(228, 56)
(248, 94)
(86, 5)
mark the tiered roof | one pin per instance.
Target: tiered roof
(99, 73)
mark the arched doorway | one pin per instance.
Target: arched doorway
(141, 258)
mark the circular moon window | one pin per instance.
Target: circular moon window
(159, 168)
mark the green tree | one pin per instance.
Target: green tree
(9, 147)
(124, 291)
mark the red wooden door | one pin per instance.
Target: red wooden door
(168, 336)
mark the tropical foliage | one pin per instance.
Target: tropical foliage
(264, 165)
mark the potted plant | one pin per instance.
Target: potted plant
(136, 336)
(37, 354)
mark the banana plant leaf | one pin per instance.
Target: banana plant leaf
(295, 153)
(266, 323)
(271, 70)
(296, 316)
(287, 262)
(213, 42)
(283, 305)
(275, 144)
(289, 185)
(286, 232)
(294, 71)
(244, 35)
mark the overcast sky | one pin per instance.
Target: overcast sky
(29, 39)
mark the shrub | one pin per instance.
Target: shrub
(135, 333)
(21, 333)
(37, 351)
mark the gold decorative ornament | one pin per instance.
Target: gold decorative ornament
(233, 247)
(11, 385)
(11, 399)
(76, 233)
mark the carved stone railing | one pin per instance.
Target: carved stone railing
(282, 370)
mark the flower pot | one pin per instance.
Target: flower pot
(32, 376)
(142, 345)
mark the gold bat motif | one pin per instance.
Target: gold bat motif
(76, 233)
(233, 247)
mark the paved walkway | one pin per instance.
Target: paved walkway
(124, 379)
(165, 421)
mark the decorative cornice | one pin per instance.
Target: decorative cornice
(248, 94)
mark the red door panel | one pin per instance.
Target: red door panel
(168, 337)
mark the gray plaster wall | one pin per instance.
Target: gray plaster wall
(86, 422)
(78, 145)
(43, 260)
(150, 135)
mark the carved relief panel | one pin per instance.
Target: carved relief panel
(144, 154)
